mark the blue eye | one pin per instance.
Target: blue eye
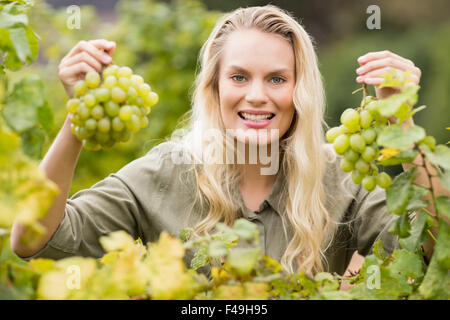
(238, 78)
(278, 80)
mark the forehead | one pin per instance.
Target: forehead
(253, 49)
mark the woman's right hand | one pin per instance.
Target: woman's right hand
(85, 56)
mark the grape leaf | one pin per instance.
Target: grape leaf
(439, 157)
(443, 205)
(395, 137)
(398, 194)
(417, 234)
(406, 156)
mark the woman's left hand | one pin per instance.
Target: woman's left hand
(374, 65)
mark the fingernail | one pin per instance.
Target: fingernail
(359, 70)
(361, 59)
(106, 59)
(359, 79)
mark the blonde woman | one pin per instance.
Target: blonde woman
(259, 74)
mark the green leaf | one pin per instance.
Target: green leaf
(442, 246)
(185, 234)
(20, 41)
(417, 234)
(407, 264)
(378, 250)
(395, 137)
(415, 202)
(33, 143)
(437, 279)
(399, 193)
(45, 117)
(406, 156)
(245, 229)
(439, 157)
(445, 179)
(397, 103)
(10, 20)
(200, 258)
(443, 205)
(217, 249)
(27, 96)
(243, 260)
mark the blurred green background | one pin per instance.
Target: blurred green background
(160, 40)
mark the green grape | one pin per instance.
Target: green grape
(76, 118)
(357, 176)
(136, 110)
(110, 82)
(124, 83)
(80, 87)
(72, 105)
(353, 129)
(383, 180)
(125, 113)
(125, 135)
(346, 165)
(124, 72)
(132, 94)
(116, 135)
(73, 128)
(97, 112)
(351, 155)
(136, 80)
(151, 99)
(341, 143)
(92, 79)
(333, 133)
(112, 108)
(89, 100)
(109, 144)
(357, 142)
(91, 124)
(134, 124)
(369, 183)
(102, 94)
(104, 125)
(111, 70)
(144, 90)
(145, 110)
(369, 135)
(118, 95)
(144, 122)
(365, 119)
(368, 154)
(83, 111)
(117, 124)
(362, 166)
(139, 102)
(92, 144)
(101, 137)
(350, 118)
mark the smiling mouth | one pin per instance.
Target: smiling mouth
(256, 117)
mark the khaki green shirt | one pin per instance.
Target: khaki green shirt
(153, 194)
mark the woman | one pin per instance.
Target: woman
(259, 74)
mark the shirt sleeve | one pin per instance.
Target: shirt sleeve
(107, 206)
(372, 222)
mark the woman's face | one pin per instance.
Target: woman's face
(256, 84)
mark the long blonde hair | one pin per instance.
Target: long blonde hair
(303, 157)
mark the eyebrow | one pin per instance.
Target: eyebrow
(241, 69)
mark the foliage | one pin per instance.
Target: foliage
(130, 270)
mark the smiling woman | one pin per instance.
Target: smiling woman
(258, 84)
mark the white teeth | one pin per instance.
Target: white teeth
(256, 117)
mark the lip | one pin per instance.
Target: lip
(256, 124)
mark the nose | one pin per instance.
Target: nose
(256, 94)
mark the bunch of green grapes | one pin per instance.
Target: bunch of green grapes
(107, 108)
(356, 140)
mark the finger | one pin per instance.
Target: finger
(376, 80)
(79, 69)
(378, 73)
(98, 54)
(105, 45)
(383, 63)
(381, 54)
(82, 57)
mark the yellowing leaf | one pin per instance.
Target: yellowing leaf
(387, 153)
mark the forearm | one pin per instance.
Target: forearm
(59, 165)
